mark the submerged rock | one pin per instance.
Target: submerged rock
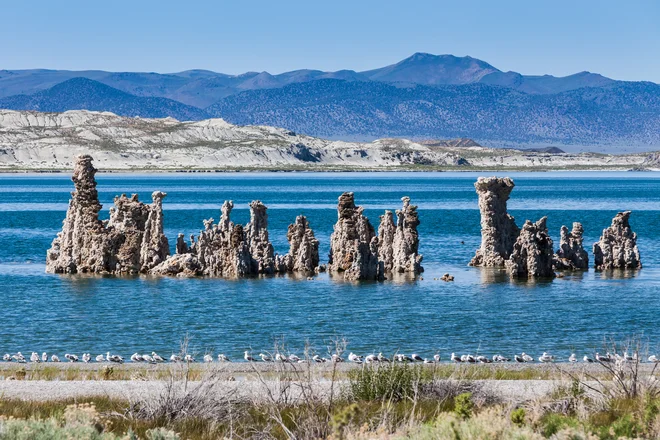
(532, 252)
(398, 245)
(303, 253)
(131, 241)
(498, 229)
(571, 255)
(353, 244)
(617, 247)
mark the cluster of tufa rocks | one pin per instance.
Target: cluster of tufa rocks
(528, 253)
(132, 240)
(358, 253)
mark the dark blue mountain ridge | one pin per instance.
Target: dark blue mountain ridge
(202, 88)
(86, 94)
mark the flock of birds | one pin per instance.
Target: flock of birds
(155, 358)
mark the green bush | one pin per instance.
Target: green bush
(518, 416)
(625, 426)
(394, 382)
(553, 423)
(463, 405)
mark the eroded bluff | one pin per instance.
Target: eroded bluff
(130, 242)
(498, 229)
(532, 254)
(617, 247)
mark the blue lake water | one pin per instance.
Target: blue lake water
(481, 311)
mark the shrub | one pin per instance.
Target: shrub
(518, 416)
(393, 382)
(463, 405)
(553, 423)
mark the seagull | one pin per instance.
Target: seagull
(627, 357)
(18, 357)
(572, 358)
(355, 358)
(44, 357)
(545, 357)
(100, 358)
(436, 358)
(587, 359)
(417, 358)
(148, 358)
(247, 356)
(208, 358)
(294, 358)
(71, 357)
(455, 358)
(157, 357)
(265, 357)
(6, 357)
(429, 361)
(86, 357)
(175, 358)
(223, 358)
(114, 358)
(371, 359)
(317, 358)
(518, 358)
(135, 357)
(281, 358)
(527, 358)
(54, 358)
(470, 358)
(35, 357)
(337, 358)
(653, 358)
(189, 358)
(601, 358)
(483, 360)
(382, 358)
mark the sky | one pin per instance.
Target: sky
(619, 39)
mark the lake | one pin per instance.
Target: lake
(481, 311)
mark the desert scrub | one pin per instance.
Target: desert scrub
(463, 405)
(393, 382)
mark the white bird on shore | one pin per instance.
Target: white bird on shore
(281, 358)
(18, 357)
(417, 358)
(518, 358)
(653, 358)
(114, 358)
(382, 358)
(148, 358)
(336, 358)
(587, 359)
(175, 358)
(354, 358)
(627, 357)
(157, 357)
(208, 358)
(436, 358)
(601, 358)
(54, 358)
(189, 358)
(370, 359)
(471, 359)
(265, 357)
(247, 356)
(71, 357)
(483, 360)
(44, 357)
(455, 358)
(572, 358)
(545, 357)
(526, 357)
(35, 357)
(100, 358)
(136, 357)
(428, 361)
(293, 358)
(223, 358)
(86, 357)
(6, 357)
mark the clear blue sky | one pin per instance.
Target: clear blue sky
(620, 39)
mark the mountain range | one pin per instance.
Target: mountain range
(423, 96)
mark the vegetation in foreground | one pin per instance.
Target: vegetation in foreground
(387, 401)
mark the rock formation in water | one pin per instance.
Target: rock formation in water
(398, 245)
(256, 234)
(131, 241)
(532, 253)
(303, 253)
(498, 229)
(617, 247)
(571, 255)
(353, 244)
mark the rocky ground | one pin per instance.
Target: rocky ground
(33, 141)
